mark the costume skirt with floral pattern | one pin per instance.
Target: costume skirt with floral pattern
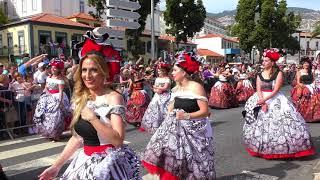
(244, 90)
(181, 149)
(222, 96)
(49, 117)
(307, 101)
(281, 132)
(155, 113)
(136, 106)
(121, 163)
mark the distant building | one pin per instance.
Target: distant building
(212, 26)
(40, 33)
(228, 47)
(210, 56)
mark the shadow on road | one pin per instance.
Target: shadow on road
(278, 171)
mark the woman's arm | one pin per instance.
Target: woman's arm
(61, 87)
(114, 133)
(258, 87)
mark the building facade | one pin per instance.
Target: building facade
(225, 46)
(41, 33)
(212, 26)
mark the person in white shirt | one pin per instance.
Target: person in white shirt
(40, 76)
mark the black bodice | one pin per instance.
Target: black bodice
(188, 105)
(306, 79)
(89, 134)
(267, 84)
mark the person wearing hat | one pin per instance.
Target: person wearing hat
(28, 63)
(182, 147)
(244, 88)
(305, 95)
(273, 128)
(138, 101)
(53, 105)
(157, 108)
(222, 95)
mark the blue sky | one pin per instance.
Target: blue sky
(215, 6)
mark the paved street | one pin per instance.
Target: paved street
(25, 158)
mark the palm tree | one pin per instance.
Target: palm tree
(316, 31)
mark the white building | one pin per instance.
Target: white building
(225, 46)
(308, 47)
(15, 9)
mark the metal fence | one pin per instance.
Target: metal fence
(16, 112)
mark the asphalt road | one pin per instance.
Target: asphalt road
(25, 158)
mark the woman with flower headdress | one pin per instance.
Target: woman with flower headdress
(53, 106)
(304, 95)
(98, 123)
(222, 94)
(138, 101)
(273, 128)
(182, 147)
(157, 108)
(244, 88)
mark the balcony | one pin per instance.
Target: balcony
(53, 51)
(16, 51)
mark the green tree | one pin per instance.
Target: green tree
(264, 24)
(316, 31)
(3, 17)
(184, 18)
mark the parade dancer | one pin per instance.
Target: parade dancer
(182, 147)
(244, 88)
(222, 94)
(99, 124)
(53, 106)
(273, 128)
(139, 100)
(304, 95)
(317, 77)
(157, 108)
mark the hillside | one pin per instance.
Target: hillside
(309, 16)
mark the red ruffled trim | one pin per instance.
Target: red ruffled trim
(164, 175)
(308, 152)
(142, 129)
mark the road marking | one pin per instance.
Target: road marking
(20, 140)
(30, 149)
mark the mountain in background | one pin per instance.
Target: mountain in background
(309, 17)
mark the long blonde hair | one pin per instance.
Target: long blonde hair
(81, 93)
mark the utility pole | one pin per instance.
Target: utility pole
(152, 31)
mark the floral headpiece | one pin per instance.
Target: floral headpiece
(273, 54)
(188, 61)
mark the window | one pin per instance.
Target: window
(308, 45)
(10, 42)
(21, 42)
(14, 7)
(1, 45)
(24, 6)
(5, 8)
(34, 5)
(81, 7)
(317, 45)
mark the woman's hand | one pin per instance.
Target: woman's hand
(265, 108)
(50, 173)
(261, 102)
(87, 114)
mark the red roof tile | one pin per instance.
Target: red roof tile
(173, 39)
(82, 16)
(232, 39)
(54, 19)
(207, 52)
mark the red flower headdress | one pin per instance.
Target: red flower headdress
(57, 63)
(188, 61)
(273, 54)
(165, 66)
(96, 42)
